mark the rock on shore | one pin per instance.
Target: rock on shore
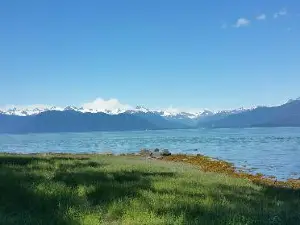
(156, 153)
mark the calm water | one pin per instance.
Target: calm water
(272, 151)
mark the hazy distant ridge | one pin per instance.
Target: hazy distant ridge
(287, 115)
(72, 119)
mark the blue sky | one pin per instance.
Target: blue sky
(188, 54)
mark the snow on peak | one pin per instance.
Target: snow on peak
(236, 111)
(71, 108)
(192, 114)
(292, 100)
(55, 108)
(25, 110)
(141, 109)
(114, 106)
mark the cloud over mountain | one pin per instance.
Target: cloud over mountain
(100, 104)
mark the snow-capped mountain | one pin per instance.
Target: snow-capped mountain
(21, 111)
(72, 108)
(235, 111)
(292, 100)
(167, 117)
(85, 119)
(285, 115)
(138, 109)
(168, 113)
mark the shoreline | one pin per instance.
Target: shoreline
(136, 189)
(208, 164)
(204, 163)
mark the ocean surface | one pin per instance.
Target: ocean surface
(271, 151)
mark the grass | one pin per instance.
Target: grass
(99, 189)
(208, 164)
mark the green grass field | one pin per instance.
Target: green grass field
(98, 189)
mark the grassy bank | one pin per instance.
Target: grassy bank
(208, 164)
(98, 189)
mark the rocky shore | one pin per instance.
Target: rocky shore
(204, 163)
(208, 164)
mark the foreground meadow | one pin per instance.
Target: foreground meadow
(100, 189)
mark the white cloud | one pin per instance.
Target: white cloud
(101, 105)
(282, 12)
(261, 17)
(241, 22)
(224, 26)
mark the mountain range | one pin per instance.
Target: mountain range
(286, 115)
(185, 117)
(79, 119)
